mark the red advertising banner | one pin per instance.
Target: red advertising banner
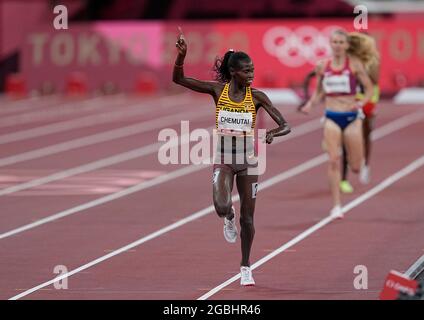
(282, 51)
(395, 284)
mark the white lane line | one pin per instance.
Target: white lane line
(62, 108)
(151, 236)
(356, 202)
(105, 162)
(312, 163)
(125, 111)
(303, 129)
(102, 137)
(133, 154)
(414, 270)
(129, 155)
(79, 107)
(136, 188)
(31, 103)
(297, 132)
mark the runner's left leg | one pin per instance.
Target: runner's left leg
(247, 186)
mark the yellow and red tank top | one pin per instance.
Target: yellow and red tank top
(235, 117)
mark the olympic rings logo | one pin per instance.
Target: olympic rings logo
(294, 48)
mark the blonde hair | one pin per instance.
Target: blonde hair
(364, 48)
(340, 32)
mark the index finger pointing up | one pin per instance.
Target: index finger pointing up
(181, 36)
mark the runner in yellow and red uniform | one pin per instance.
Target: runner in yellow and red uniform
(236, 108)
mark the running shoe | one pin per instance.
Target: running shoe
(345, 186)
(246, 277)
(336, 212)
(230, 228)
(364, 175)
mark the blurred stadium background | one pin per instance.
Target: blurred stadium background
(128, 45)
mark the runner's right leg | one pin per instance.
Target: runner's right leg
(223, 179)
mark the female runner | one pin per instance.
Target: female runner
(236, 107)
(337, 80)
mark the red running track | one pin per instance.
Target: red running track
(382, 233)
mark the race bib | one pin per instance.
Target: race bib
(336, 84)
(235, 120)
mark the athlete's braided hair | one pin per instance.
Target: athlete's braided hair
(231, 59)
